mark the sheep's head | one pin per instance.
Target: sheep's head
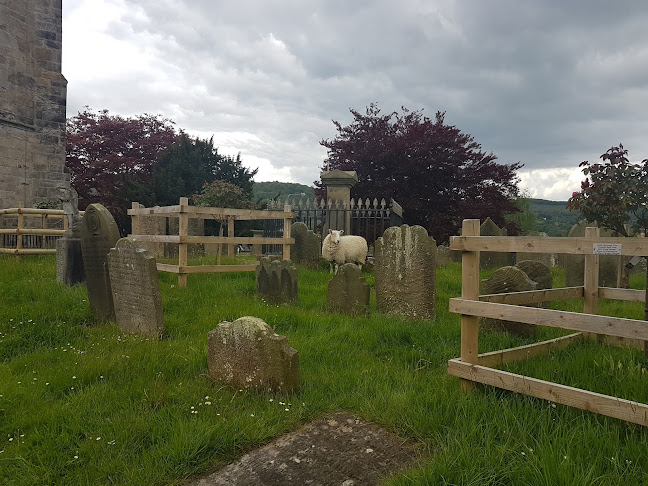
(335, 235)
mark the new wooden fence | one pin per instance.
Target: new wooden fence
(26, 238)
(184, 212)
(478, 368)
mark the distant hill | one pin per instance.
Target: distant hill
(553, 217)
(269, 190)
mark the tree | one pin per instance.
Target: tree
(222, 194)
(437, 173)
(111, 157)
(190, 163)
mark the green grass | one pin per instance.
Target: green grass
(82, 403)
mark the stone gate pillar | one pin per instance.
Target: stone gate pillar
(338, 191)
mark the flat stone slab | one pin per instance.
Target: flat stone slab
(340, 450)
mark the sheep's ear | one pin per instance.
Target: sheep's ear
(341, 232)
(330, 231)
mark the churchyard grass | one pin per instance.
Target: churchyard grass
(84, 404)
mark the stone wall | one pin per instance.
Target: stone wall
(32, 102)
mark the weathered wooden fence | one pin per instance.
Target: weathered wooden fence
(31, 231)
(228, 216)
(478, 368)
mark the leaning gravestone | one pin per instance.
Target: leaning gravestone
(276, 280)
(307, 248)
(575, 264)
(493, 259)
(99, 234)
(348, 292)
(69, 258)
(504, 280)
(537, 272)
(405, 272)
(247, 353)
(135, 289)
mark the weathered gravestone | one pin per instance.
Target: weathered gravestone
(69, 258)
(307, 248)
(247, 353)
(442, 256)
(99, 234)
(575, 264)
(538, 272)
(276, 280)
(504, 280)
(494, 259)
(545, 258)
(348, 292)
(405, 272)
(135, 289)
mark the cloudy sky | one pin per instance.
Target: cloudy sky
(548, 84)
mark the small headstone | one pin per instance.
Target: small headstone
(276, 280)
(442, 256)
(609, 265)
(307, 248)
(405, 272)
(99, 233)
(348, 292)
(135, 289)
(247, 353)
(537, 272)
(69, 261)
(545, 258)
(504, 280)
(494, 259)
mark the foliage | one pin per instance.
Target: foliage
(221, 194)
(272, 190)
(525, 219)
(438, 174)
(614, 193)
(111, 157)
(190, 163)
(553, 218)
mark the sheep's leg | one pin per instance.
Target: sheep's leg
(331, 267)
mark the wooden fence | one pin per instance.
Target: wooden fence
(184, 212)
(26, 238)
(478, 368)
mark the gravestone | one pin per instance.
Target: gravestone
(195, 227)
(135, 289)
(153, 225)
(442, 256)
(69, 258)
(307, 248)
(405, 272)
(537, 272)
(494, 259)
(348, 292)
(504, 280)
(99, 234)
(247, 353)
(575, 264)
(545, 258)
(276, 280)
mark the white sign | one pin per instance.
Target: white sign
(607, 248)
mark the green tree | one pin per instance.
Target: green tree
(222, 194)
(525, 219)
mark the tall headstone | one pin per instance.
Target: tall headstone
(135, 289)
(609, 265)
(493, 259)
(276, 280)
(99, 233)
(307, 249)
(247, 353)
(348, 292)
(504, 280)
(69, 258)
(405, 272)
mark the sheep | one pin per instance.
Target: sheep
(340, 249)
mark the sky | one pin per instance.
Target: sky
(544, 83)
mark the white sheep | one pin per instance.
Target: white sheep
(340, 249)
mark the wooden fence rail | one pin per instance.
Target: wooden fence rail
(473, 367)
(184, 212)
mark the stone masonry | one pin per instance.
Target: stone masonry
(32, 102)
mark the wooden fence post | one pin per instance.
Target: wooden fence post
(183, 230)
(21, 223)
(286, 233)
(469, 291)
(230, 234)
(591, 280)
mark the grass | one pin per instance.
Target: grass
(82, 403)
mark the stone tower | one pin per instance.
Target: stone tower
(32, 102)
